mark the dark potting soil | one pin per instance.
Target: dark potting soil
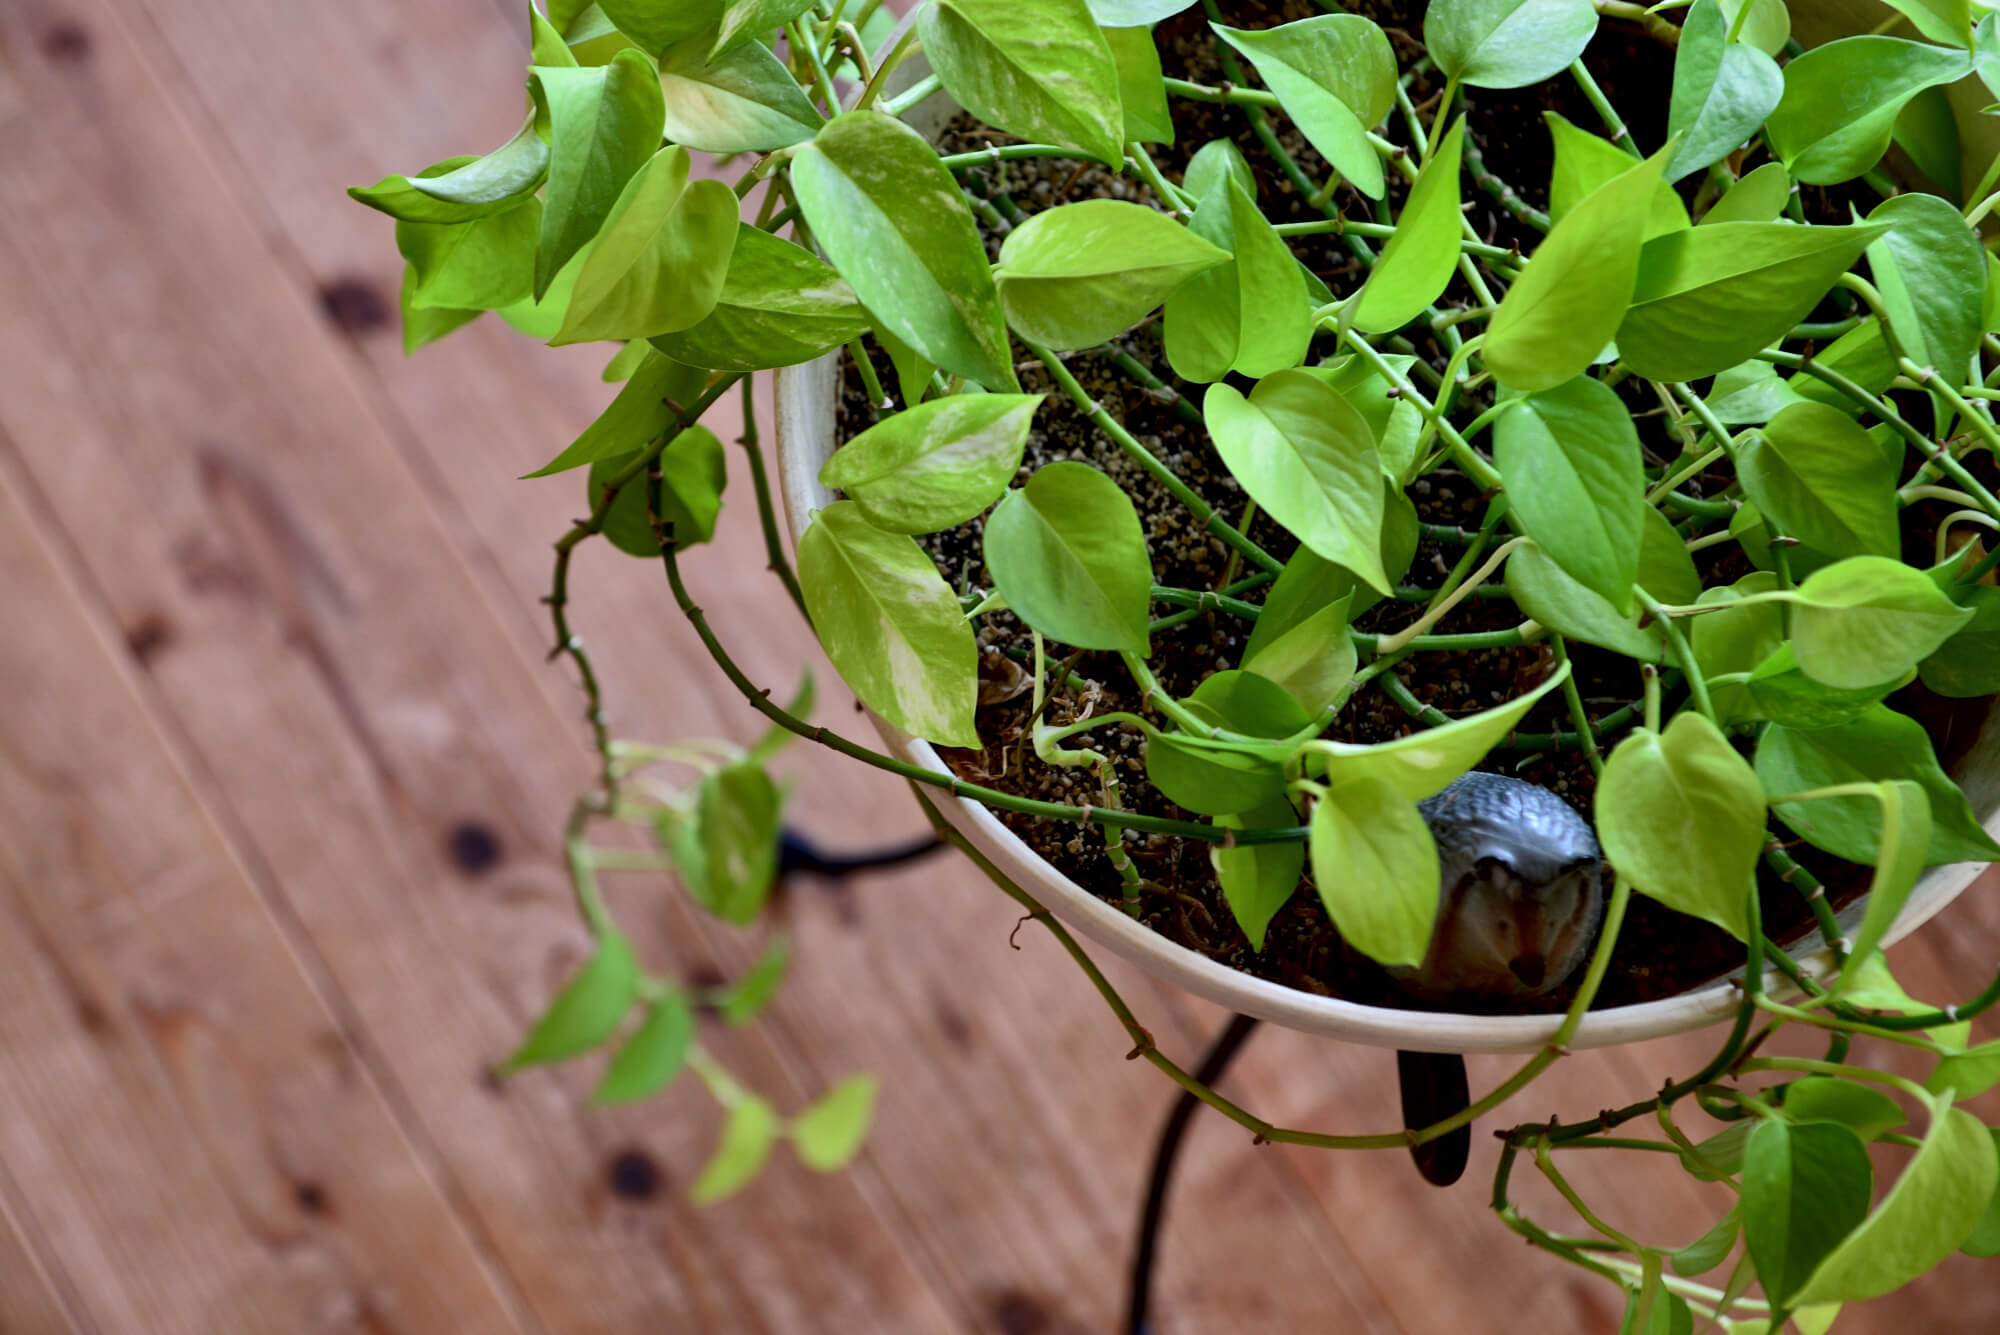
(1659, 952)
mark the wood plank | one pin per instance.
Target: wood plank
(492, 388)
(181, 1118)
(32, 1301)
(340, 677)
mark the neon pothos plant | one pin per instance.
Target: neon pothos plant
(1825, 387)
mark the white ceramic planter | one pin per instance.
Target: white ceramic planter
(806, 399)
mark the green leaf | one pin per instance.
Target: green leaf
(1723, 90)
(1394, 420)
(828, 1134)
(1308, 458)
(1904, 834)
(693, 473)
(1968, 664)
(1376, 867)
(1948, 21)
(1968, 1074)
(1736, 640)
(745, 102)
(1861, 354)
(1927, 130)
(1313, 660)
(1709, 1250)
(1212, 778)
(1750, 394)
(1249, 315)
(1214, 160)
(1931, 271)
(1417, 264)
(1040, 69)
(894, 223)
(588, 1010)
(604, 126)
(1681, 816)
(1784, 694)
(546, 45)
(779, 305)
(913, 371)
(1985, 1238)
(423, 325)
(1707, 298)
(744, 1000)
(1130, 13)
(1068, 554)
(659, 264)
(1142, 92)
(1768, 27)
(1585, 161)
(747, 20)
(623, 363)
(936, 465)
(480, 265)
(653, 1056)
(1563, 310)
(1507, 43)
(1078, 274)
(1934, 1206)
(658, 24)
(1871, 986)
(1335, 76)
(463, 188)
(1541, 589)
(1820, 478)
(747, 1136)
(1575, 478)
(636, 418)
(1805, 1187)
(1721, 1155)
(891, 625)
(1867, 619)
(1841, 103)
(1670, 1315)
(1666, 570)
(1865, 1111)
(1258, 879)
(1879, 745)
(1424, 763)
(726, 850)
(1758, 197)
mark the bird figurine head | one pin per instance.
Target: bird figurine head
(1520, 893)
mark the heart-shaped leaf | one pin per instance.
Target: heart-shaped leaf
(1068, 554)
(1422, 764)
(1841, 102)
(1258, 879)
(894, 223)
(1417, 264)
(1142, 91)
(480, 265)
(588, 1010)
(1681, 816)
(1335, 76)
(935, 465)
(891, 625)
(1249, 315)
(1758, 197)
(1707, 298)
(1575, 478)
(1078, 274)
(1931, 271)
(780, 305)
(1821, 479)
(1040, 69)
(1307, 457)
(648, 1061)
(1805, 1188)
(828, 1134)
(1376, 868)
(744, 101)
(604, 125)
(1867, 619)
(1723, 90)
(1563, 310)
(750, 1130)
(659, 264)
(1585, 161)
(1507, 43)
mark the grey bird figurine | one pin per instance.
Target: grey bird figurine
(1521, 894)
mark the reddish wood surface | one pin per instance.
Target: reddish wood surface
(272, 606)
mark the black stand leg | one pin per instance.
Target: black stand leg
(1434, 1088)
(1213, 1063)
(796, 853)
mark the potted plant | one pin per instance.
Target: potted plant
(1210, 431)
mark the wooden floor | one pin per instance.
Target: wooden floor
(274, 677)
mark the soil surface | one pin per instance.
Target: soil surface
(1660, 952)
